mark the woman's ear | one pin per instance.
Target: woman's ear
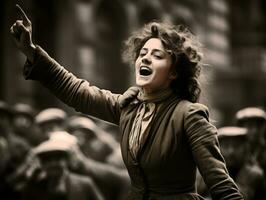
(173, 74)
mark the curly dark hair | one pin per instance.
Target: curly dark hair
(184, 49)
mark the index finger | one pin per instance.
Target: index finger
(22, 14)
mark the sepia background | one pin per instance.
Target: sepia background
(86, 37)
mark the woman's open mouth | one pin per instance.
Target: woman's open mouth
(145, 71)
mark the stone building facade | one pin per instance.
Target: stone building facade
(86, 36)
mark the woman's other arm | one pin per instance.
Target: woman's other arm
(202, 137)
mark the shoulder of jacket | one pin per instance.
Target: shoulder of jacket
(186, 107)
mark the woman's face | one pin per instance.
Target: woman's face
(153, 67)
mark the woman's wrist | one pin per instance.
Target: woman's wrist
(30, 53)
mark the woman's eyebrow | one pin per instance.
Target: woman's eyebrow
(161, 50)
(145, 49)
(154, 50)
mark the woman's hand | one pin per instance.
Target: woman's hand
(21, 31)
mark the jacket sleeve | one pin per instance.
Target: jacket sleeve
(202, 138)
(73, 91)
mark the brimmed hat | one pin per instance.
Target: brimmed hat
(231, 131)
(251, 112)
(59, 141)
(63, 136)
(50, 114)
(51, 146)
(79, 122)
(25, 109)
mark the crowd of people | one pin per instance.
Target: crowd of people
(51, 154)
(54, 155)
(243, 147)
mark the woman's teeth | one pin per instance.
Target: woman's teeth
(145, 71)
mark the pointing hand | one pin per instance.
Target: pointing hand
(21, 31)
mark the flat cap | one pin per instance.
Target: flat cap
(50, 114)
(251, 112)
(79, 122)
(63, 136)
(59, 141)
(22, 108)
(231, 131)
(51, 146)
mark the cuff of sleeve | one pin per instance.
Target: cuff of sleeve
(128, 96)
(33, 70)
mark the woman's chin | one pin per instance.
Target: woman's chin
(142, 85)
(142, 82)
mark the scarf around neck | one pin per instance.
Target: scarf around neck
(142, 122)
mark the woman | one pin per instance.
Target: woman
(165, 133)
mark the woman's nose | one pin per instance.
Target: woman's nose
(146, 60)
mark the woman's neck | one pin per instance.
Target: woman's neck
(148, 91)
(155, 95)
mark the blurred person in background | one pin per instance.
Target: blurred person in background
(55, 181)
(24, 123)
(113, 181)
(87, 133)
(14, 149)
(93, 157)
(254, 119)
(46, 122)
(4, 151)
(166, 134)
(115, 158)
(25, 129)
(109, 134)
(233, 145)
(251, 176)
(49, 120)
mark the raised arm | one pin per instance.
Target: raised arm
(75, 92)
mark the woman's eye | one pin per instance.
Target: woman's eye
(158, 56)
(142, 53)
